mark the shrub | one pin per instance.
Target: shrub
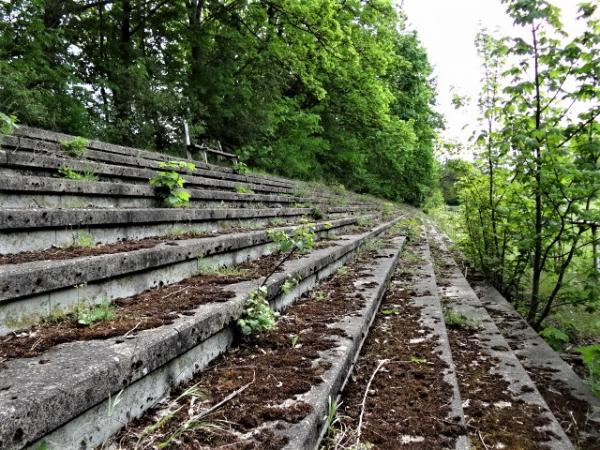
(591, 359)
(169, 185)
(243, 190)
(8, 124)
(75, 147)
(89, 315)
(70, 174)
(240, 168)
(258, 317)
(554, 337)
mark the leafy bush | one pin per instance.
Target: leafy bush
(89, 315)
(302, 239)
(456, 320)
(554, 337)
(258, 317)
(8, 124)
(85, 240)
(67, 172)
(169, 185)
(240, 168)
(243, 190)
(591, 359)
(75, 147)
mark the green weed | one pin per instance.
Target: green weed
(459, 321)
(89, 314)
(258, 316)
(75, 147)
(70, 174)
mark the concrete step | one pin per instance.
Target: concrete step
(31, 157)
(84, 392)
(14, 163)
(39, 229)
(567, 395)
(333, 321)
(32, 290)
(493, 350)
(48, 141)
(46, 192)
(414, 397)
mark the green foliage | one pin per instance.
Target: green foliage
(258, 317)
(457, 320)
(240, 168)
(529, 205)
(591, 359)
(85, 240)
(8, 124)
(556, 338)
(294, 340)
(318, 89)
(243, 190)
(317, 214)
(177, 165)
(434, 201)
(70, 174)
(288, 285)
(301, 238)
(75, 147)
(90, 314)
(169, 185)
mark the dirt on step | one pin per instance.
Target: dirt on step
(259, 382)
(126, 245)
(408, 403)
(495, 417)
(150, 309)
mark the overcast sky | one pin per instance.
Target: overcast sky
(447, 28)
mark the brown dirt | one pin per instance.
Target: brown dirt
(127, 245)
(570, 411)
(514, 427)
(53, 254)
(406, 398)
(278, 373)
(150, 309)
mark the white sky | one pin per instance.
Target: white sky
(447, 28)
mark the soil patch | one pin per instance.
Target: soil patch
(126, 245)
(408, 402)
(265, 378)
(150, 309)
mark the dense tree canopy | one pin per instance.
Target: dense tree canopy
(325, 89)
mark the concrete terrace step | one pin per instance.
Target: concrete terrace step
(34, 289)
(39, 229)
(564, 391)
(309, 432)
(28, 163)
(64, 402)
(45, 192)
(49, 140)
(456, 292)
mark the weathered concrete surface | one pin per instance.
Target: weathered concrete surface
(432, 316)
(142, 223)
(36, 289)
(49, 165)
(38, 395)
(461, 298)
(26, 219)
(46, 189)
(48, 141)
(534, 353)
(308, 433)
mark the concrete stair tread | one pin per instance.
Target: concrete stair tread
(34, 412)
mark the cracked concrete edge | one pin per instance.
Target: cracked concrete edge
(56, 391)
(464, 301)
(535, 353)
(308, 433)
(113, 150)
(17, 162)
(47, 185)
(27, 279)
(26, 219)
(432, 316)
